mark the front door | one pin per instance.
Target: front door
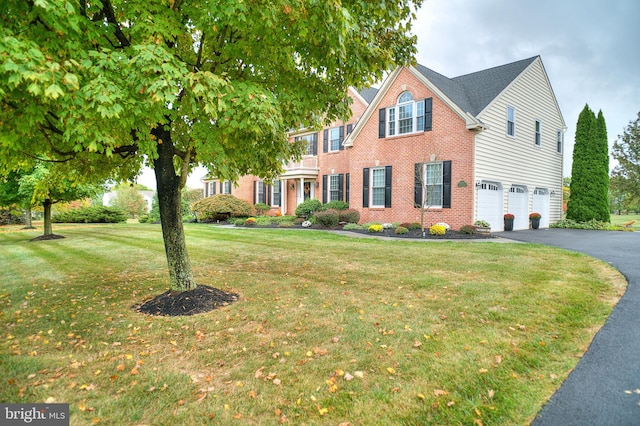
(307, 191)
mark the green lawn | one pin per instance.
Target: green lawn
(620, 219)
(328, 330)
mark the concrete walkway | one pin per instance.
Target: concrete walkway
(604, 388)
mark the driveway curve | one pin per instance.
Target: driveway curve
(604, 388)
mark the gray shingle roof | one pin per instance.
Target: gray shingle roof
(473, 92)
(368, 94)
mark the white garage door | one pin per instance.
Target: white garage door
(490, 205)
(541, 205)
(519, 206)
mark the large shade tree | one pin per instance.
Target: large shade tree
(172, 84)
(589, 191)
(626, 174)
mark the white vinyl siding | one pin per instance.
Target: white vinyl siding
(516, 160)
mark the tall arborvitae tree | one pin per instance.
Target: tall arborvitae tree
(590, 170)
(603, 169)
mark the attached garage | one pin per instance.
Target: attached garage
(541, 205)
(519, 206)
(490, 200)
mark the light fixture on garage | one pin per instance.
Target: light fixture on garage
(478, 184)
(552, 193)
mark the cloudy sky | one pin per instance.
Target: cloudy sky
(590, 50)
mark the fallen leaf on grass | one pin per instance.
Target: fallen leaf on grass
(440, 392)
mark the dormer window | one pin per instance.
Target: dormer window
(407, 116)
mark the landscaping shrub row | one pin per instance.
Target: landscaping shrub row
(93, 214)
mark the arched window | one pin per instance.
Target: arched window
(407, 116)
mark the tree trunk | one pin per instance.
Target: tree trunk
(48, 229)
(27, 219)
(169, 197)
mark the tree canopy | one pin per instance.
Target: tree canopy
(113, 85)
(626, 174)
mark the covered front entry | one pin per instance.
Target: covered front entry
(519, 206)
(541, 205)
(490, 204)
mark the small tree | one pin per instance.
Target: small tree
(130, 200)
(626, 150)
(50, 183)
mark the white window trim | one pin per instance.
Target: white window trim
(393, 126)
(276, 189)
(514, 121)
(260, 190)
(337, 190)
(559, 141)
(371, 187)
(331, 139)
(424, 185)
(537, 138)
(308, 138)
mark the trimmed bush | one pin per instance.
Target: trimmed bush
(352, 227)
(468, 229)
(415, 225)
(375, 228)
(401, 230)
(220, 207)
(261, 208)
(328, 218)
(307, 208)
(349, 216)
(93, 214)
(437, 230)
(251, 221)
(336, 205)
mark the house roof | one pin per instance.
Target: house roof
(368, 94)
(473, 92)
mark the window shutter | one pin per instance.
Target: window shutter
(315, 143)
(382, 126)
(428, 114)
(268, 194)
(341, 186)
(206, 190)
(213, 188)
(221, 188)
(365, 187)
(446, 184)
(230, 188)
(325, 142)
(349, 128)
(387, 186)
(296, 139)
(341, 138)
(417, 186)
(324, 189)
(346, 189)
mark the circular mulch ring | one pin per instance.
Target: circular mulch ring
(199, 300)
(47, 237)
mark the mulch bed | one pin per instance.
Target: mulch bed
(199, 300)
(47, 237)
(417, 234)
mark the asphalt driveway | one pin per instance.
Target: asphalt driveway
(604, 388)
